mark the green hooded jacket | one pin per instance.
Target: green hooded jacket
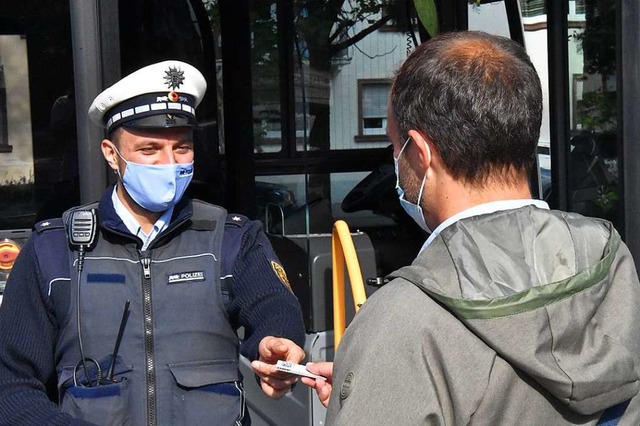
(524, 316)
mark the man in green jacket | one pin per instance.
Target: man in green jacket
(512, 313)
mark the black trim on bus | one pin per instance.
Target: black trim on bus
(558, 101)
(628, 60)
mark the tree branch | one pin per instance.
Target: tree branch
(334, 7)
(346, 23)
(335, 48)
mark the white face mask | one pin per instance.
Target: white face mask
(156, 187)
(413, 210)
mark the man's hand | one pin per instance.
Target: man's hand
(322, 387)
(275, 384)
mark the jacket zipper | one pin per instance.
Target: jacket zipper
(166, 233)
(148, 340)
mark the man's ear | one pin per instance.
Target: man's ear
(109, 153)
(424, 146)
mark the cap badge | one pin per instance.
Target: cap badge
(174, 78)
(173, 96)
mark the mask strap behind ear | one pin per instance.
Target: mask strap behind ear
(424, 179)
(403, 147)
(117, 169)
(428, 150)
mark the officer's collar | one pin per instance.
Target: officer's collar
(109, 218)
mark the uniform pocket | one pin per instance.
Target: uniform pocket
(207, 393)
(107, 404)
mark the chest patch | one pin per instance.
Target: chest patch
(106, 278)
(183, 277)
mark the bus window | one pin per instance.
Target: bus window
(334, 135)
(343, 74)
(38, 154)
(38, 151)
(592, 153)
(366, 201)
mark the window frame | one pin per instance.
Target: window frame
(361, 136)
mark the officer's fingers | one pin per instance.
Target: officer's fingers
(265, 370)
(262, 368)
(280, 382)
(294, 353)
(270, 347)
(272, 393)
(276, 388)
(274, 348)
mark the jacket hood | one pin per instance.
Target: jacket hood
(537, 287)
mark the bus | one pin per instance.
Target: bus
(292, 128)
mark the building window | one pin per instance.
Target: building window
(532, 8)
(372, 109)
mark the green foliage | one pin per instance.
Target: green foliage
(598, 111)
(598, 40)
(606, 198)
(428, 14)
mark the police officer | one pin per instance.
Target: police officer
(168, 278)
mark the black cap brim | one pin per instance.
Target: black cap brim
(160, 121)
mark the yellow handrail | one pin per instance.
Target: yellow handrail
(342, 249)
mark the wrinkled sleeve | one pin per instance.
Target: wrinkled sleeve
(27, 340)
(262, 301)
(380, 375)
(404, 360)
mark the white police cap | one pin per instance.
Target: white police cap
(160, 95)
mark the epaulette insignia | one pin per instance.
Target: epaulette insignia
(46, 225)
(279, 270)
(236, 219)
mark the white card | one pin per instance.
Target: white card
(297, 369)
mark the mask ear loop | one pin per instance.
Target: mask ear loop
(424, 179)
(396, 159)
(117, 170)
(403, 147)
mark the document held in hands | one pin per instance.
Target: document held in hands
(297, 369)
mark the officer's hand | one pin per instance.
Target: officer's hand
(275, 384)
(323, 387)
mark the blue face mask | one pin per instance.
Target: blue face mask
(156, 187)
(413, 210)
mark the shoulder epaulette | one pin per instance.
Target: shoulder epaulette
(236, 220)
(47, 225)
